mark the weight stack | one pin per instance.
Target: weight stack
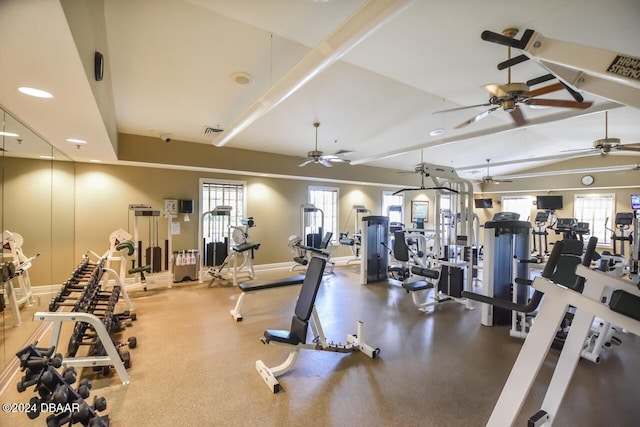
(154, 258)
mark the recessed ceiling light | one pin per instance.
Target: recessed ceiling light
(242, 79)
(15, 135)
(76, 141)
(436, 132)
(38, 93)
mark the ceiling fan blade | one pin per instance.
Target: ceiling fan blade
(573, 93)
(558, 103)
(541, 79)
(518, 118)
(497, 38)
(306, 162)
(513, 61)
(581, 150)
(477, 117)
(547, 89)
(325, 163)
(630, 147)
(343, 152)
(502, 180)
(461, 108)
(338, 160)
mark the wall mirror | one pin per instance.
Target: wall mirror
(37, 218)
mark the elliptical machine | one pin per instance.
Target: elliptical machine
(540, 231)
(615, 263)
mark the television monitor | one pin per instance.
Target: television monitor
(635, 202)
(483, 203)
(549, 203)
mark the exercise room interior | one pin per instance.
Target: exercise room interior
(319, 212)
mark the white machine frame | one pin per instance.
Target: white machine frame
(555, 303)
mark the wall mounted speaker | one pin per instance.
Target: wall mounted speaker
(98, 66)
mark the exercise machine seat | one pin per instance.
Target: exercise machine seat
(419, 285)
(245, 246)
(297, 334)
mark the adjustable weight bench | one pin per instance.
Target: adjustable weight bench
(259, 286)
(296, 337)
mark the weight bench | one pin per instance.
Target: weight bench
(296, 337)
(623, 311)
(250, 287)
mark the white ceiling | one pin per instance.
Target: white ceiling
(171, 63)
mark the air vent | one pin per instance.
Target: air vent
(208, 130)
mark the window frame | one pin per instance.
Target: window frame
(329, 216)
(579, 198)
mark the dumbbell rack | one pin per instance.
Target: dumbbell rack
(56, 395)
(94, 318)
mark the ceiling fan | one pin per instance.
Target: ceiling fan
(316, 156)
(512, 95)
(488, 179)
(605, 145)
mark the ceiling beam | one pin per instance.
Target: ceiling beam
(371, 16)
(489, 131)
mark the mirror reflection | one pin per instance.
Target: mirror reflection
(35, 253)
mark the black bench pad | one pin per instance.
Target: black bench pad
(420, 285)
(245, 246)
(625, 303)
(247, 287)
(278, 335)
(425, 272)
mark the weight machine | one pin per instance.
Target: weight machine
(313, 243)
(355, 241)
(15, 265)
(216, 233)
(153, 253)
(455, 237)
(240, 260)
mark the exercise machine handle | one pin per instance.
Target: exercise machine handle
(537, 295)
